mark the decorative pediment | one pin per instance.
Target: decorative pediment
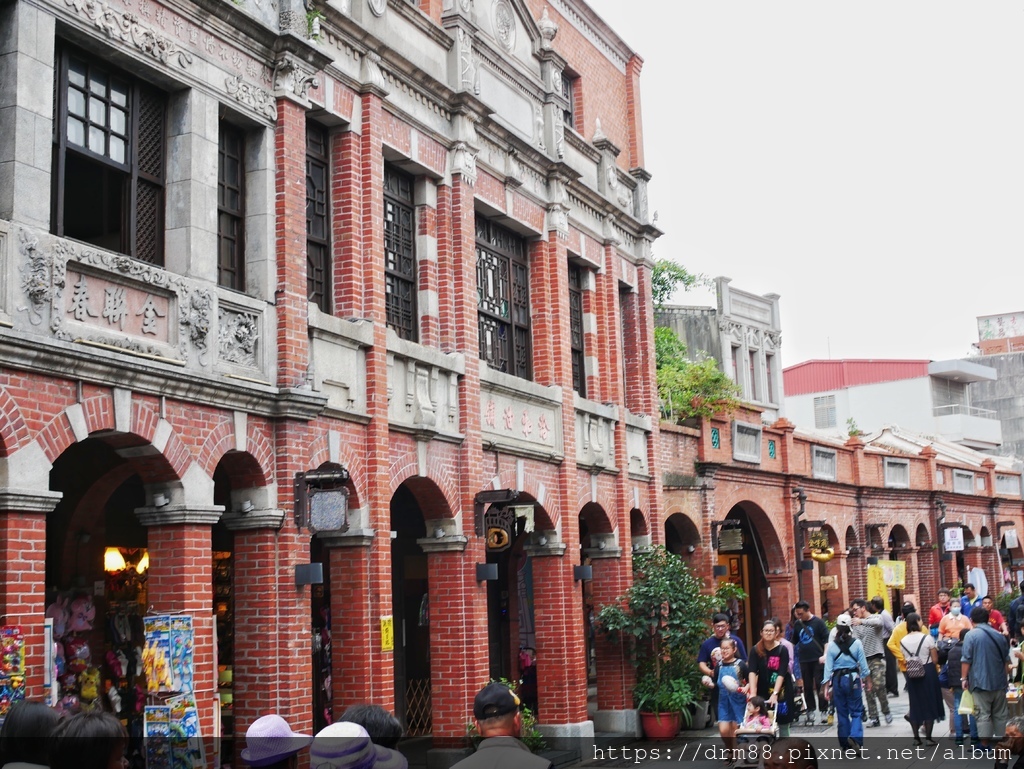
(508, 25)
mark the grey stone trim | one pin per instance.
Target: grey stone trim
(595, 554)
(173, 515)
(446, 544)
(257, 519)
(26, 501)
(350, 538)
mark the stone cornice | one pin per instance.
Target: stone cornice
(446, 544)
(176, 515)
(257, 519)
(350, 538)
(26, 501)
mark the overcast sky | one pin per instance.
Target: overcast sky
(865, 161)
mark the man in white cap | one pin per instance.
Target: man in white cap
(498, 721)
(271, 744)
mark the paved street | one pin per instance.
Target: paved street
(889, 745)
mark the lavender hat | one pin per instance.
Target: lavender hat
(269, 739)
(345, 745)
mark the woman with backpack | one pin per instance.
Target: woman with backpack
(920, 658)
(956, 686)
(846, 674)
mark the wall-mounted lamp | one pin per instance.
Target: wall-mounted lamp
(583, 573)
(946, 557)
(690, 548)
(542, 540)
(113, 560)
(160, 500)
(143, 564)
(806, 565)
(872, 560)
(321, 499)
(720, 571)
(486, 572)
(246, 507)
(601, 544)
(438, 533)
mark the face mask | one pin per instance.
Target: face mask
(955, 611)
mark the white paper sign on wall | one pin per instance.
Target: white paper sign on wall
(954, 539)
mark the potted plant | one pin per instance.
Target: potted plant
(664, 617)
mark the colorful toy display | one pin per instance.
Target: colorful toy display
(167, 657)
(12, 667)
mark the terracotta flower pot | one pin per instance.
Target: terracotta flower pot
(661, 726)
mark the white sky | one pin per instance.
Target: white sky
(863, 160)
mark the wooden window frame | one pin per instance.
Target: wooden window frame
(230, 262)
(318, 216)
(507, 251)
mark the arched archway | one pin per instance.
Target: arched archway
(681, 536)
(596, 540)
(418, 511)
(749, 548)
(97, 558)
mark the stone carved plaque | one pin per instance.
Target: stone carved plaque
(504, 20)
(238, 337)
(114, 307)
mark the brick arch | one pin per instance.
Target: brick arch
(320, 453)
(596, 518)
(637, 516)
(250, 468)
(220, 439)
(14, 433)
(440, 480)
(543, 518)
(922, 536)
(687, 532)
(766, 532)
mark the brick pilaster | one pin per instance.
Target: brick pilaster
(23, 574)
(290, 294)
(179, 582)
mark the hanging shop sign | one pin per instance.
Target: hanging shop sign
(894, 573)
(499, 525)
(953, 539)
(876, 585)
(820, 550)
(730, 540)
(828, 582)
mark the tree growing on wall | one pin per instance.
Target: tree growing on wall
(687, 389)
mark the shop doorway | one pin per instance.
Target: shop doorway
(411, 607)
(749, 549)
(96, 573)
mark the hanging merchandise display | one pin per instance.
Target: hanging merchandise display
(173, 738)
(12, 667)
(167, 658)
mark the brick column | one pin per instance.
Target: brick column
(291, 292)
(615, 674)
(561, 652)
(354, 648)
(23, 574)
(927, 571)
(266, 597)
(180, 581)
(457, 670)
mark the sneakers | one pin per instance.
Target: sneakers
(888, 718)
(873, 723)
(809, 720)
(831, 718)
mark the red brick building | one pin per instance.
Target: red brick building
(403, 246)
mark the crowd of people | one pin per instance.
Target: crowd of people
(964, 657)
(35, 736)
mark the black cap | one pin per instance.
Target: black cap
(494, 700)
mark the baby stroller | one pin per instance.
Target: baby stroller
(750, 740)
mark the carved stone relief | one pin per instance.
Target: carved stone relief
(125, 27)
(504, 21)
(252, 96)
(293, 77)
(464, 162)
(377, 7)
(238, 337)
(548, 29)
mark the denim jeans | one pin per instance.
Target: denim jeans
(958, 719)
(846, 693)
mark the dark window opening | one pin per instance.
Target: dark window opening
(231, 209)
(108, 159)
(579, 372)
(568, 91)
(503, 293)
(318, 243)
(400, 254)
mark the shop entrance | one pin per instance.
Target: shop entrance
(749, 550)
(410, 586)
(96, 572)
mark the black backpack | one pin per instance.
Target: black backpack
(943, 646)
(1018, 616)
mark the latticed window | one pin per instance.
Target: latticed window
(502, 281)
(318, 243)
(230, 208)
(579, 371)
(109, 151)
(400, 254)
(568, 91)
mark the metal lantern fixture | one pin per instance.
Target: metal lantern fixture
(321, 499)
